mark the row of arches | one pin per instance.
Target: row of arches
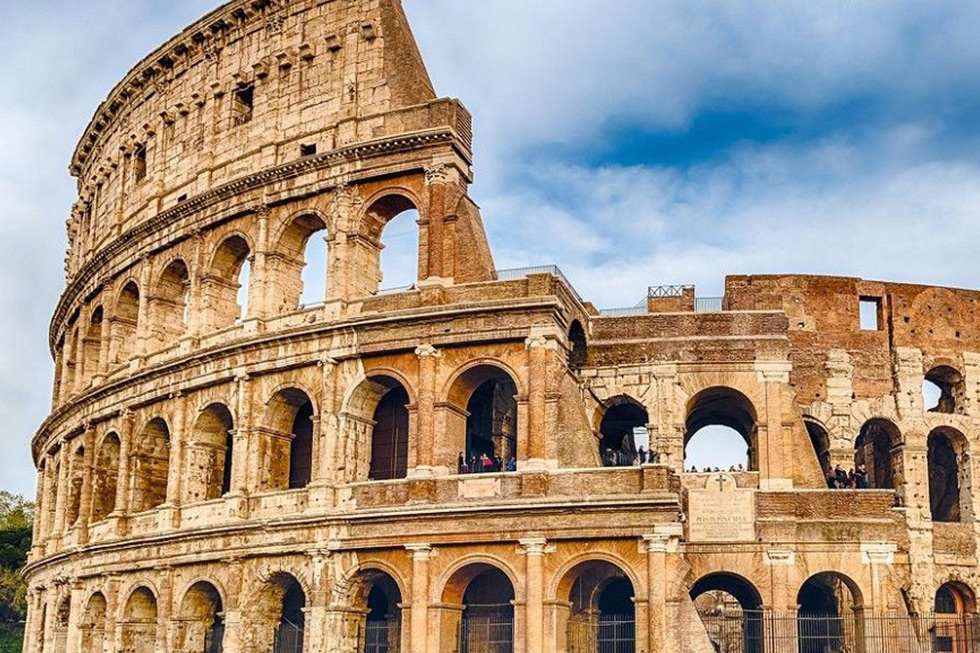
(182, 298)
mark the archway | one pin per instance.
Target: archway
(943, 390)
(602, 615)
(170, 304)
(378, 599)
(392, 223)
(92, 625)
(93, 344)
(303, 261)
(949, 466)
(623, 432)
(956, 622)
(76, 480)
(139, 625)
(828, 616)
(227, 284)
(125, 320)
(487, 396)
(200, 620)
(820, 441)
(105, 478)
(210, 455)
(375, 431)
(878, 449)
(721, 431)
(289, 417)
(578, 352)
(487, 599)
(151, 466)
(279, 615)
(730, 608)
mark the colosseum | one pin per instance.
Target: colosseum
(482, 462)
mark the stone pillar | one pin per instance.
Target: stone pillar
(537, 386)
(123, 480)
(782, 601)
(424, 440)
(41, 501)
(61, 496)
(879, 556)
(85, 498)
(164, 610)
(234, 623)
(178, 443)
(259, 290)
(534, 549)
(421, 553)
(77, 609)
(143, 314)
(775, 452)
(438, 178)
(657, 587)
(195, 322)
(242, 480)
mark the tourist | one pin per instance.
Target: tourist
(461, 467)
(512, 464)
(861, 478)
(642, 456)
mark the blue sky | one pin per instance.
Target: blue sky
(652, 141)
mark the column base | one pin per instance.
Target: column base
(537, 465)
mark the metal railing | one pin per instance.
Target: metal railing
(383, 636)
(521, 273)
(667, 291)
(487, 629)
(709, 304)
(606, 633)
(289, 638)
(767, 632)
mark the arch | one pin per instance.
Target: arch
(93, 623)
(484, 425)
(302, 265)
(375, 598)
(92, 347)
(578, 349)
(227, 276)
(878, 451)
(105, 477)
(829, 609)
(955, 609)
(139, 622)
(170, 304)
(949, 475)
(730, 607)
(601, 614)
(376, 429)
(200, 621)
(951, 389)
(820, 441)
(289, 415)
(210, 455)
(955, 597)
(486, 594)
(393, 251)
(151, 466)
(624, 421)
(278, 614)
(725, 408)
(125, 322)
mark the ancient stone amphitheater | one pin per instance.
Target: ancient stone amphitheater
(226, 469)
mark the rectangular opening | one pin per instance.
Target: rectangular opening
(870, 309)
(139, 163)
(244, 102)
(182, 198)
(308, 149)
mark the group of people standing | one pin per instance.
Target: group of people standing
(855, 479)
(484, 464)
(621, 458)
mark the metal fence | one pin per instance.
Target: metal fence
(765, 632)
(289, 638)
(383, 636)
(487, 629)
(608, 633)
(709, 304)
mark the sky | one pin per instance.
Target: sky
(630, 142)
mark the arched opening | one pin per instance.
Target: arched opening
(105, 478)
(578, 347)
(303, 262)
(721, 431)
(623, 432)
(378, 599)
(93, 344)
(61, 623)
(878, 454)
(485, 397)
(75, 482)
(289, 417)
(279, 615)
(487, 620)
(227, 285)
(827, 619)
(125, 321)
(601, 615)
(151, 466)
(210, 455)
(139, 624)
(955, 614)
(949, 482)
(389, 436)
(943, 390)
(393, 243)
(171, 304)
(92, 625)
(375, 430)
(200, 624)
(820, 441)
(730, 608)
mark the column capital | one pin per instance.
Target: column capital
(427, 351)
(534, 546)
(878, 553)
(420, 551)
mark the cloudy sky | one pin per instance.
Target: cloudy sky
(631, 142)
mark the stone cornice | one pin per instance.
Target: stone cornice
(135, 236)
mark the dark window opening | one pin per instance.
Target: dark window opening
(244, 103)
(870, 311)
(307, 149)
(624, 435)
(301, 448)
(944, 482)
(491, 428)
(389, 441)
(139, 163)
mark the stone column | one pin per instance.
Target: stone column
(421, 553)
(123, 480)
(61, 496)
(775, 454)
(195, 322)
(178, 443)
(424, 440)
(657, 587)
(534, 549)
(77, 609)
(879, 556)
(782, 601)
(537, 385)
(242, 474)
(85, 498)
(41, 501)
(164, 610)
(437, 180)
(259, 287)
(234, 623)
(143, 314)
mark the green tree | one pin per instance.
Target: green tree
(16, 524)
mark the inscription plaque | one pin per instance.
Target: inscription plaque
(721, 512)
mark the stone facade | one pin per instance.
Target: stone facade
(286, 477)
